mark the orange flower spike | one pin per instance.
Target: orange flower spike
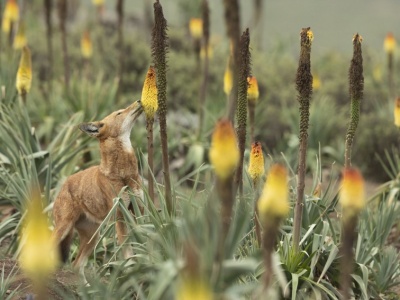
(397, 112)
(149, 94)
(224, 152)
(252, 90)
(256, 164)
(390, 43)
(196, 28)
(86, 45)
(24, 73)
(352, 194)
(274, 198)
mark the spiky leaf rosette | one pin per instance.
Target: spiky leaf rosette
(241, 109)
(356, 89)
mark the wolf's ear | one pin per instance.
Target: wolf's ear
(92, 128)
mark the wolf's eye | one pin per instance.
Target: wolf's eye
(119, 113)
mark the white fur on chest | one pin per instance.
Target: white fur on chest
(125, 137)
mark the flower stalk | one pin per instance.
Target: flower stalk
(273, 206)
(62, 15)
(204, 84)
(39, 256)
(48, 6)
(120, 13)
(159, 50)
(304, 81)
(252, 99)
(241, 110)
(390, 46)
(150, 106)
(356, 80)
(352, 200)
(224, 157)
(232, 23)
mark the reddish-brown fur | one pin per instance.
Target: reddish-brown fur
(86, 197)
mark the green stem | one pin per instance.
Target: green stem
(150, 158)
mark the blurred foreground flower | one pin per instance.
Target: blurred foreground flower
(274, 198)
(20, 40)
(228, 79)
(224, 153)
(10, 15)
(252, 90)
(39, 255)
(193, 289)
(397, 112)
(390, 43)
(149, 94)
(98, 2)
(86, 45)
(352, 194)
(256, 164)
(24, 74)
(196, 28)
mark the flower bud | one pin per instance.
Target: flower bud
(390, 43)
(86, 45)
(274, 198)
(256, 165)
(24, 74)
(352, 194)
(196, 28)
(224, 153)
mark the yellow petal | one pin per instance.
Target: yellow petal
(196, 28)
(149, 94)
(24, 74)
(256, 163)
(352, 194)
(274, 198)
(224, 153)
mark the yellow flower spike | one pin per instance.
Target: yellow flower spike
(228, 80)
(11, 11)
(98, 2)
(224, 152)
(203, 52)
(6, 25)
(149, 94)
(196, 28)
(316, 84)
(24, 74)
(193, 289)
(274, 198)
(256, 164)
(20, 40)
(397, 112)
(86, 45)
(390, 43)
(352, 194)
(252, 90)
(39, 255)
